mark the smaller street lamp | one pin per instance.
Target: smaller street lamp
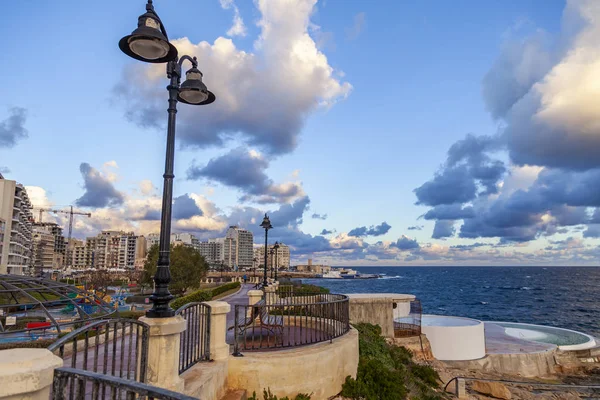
(276, 248)
(266, 225)
(272, 252)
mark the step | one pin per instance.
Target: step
(235, 395)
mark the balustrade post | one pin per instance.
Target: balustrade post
(254, 297)
(163, 352)
(27, 373)
(219, 349)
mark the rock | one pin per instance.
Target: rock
(494, 389)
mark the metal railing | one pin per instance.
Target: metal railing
(407, 318)
(282, 322)
(195, 340)
(117, 347)
(94, 386)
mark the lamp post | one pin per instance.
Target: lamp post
(266, 225)
(271, 253)
(276, 248)
(254, 265)
(150, 43)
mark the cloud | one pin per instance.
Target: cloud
(377, 230)
(147, 187)
(449, 212)
(12, 129)
(357, 27)
(184, 207)
(544, 90)
(99, 191)
(263, 97)
(405, 243)
(443, 229)
(245, 170)
(4, 170)
(415, 228)
(237, 28)
(319, 216)
(326, 232)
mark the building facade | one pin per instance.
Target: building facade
(281, 261)
(15, 211)
(212, 251)
(238, 248)
(59, 258)
(43, 252)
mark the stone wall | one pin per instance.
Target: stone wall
(378, 309)
(320, 369)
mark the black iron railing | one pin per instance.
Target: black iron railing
(277, 322)
(117, 347)
(95, 386)
(407, 318)
(195, 340)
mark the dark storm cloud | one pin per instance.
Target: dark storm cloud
(12, 129)
(443, 229)
(326, 232)
(99, 191)
(450, 212)
(185, 207)
(319, 216)
(453, 185)
(243, 170)
(405, 243)
(377, 230)
(415, 228)
(592, 231)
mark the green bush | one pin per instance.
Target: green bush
(203, 295)
(131, 314)
(226, 287)
(304, 289)
(35, 344)
(387, 371)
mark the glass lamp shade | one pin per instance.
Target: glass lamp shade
(149, 48)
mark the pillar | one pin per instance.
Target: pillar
(219, 349)
(460, 389)
(163, 352)
(27, 373)
(254, 296)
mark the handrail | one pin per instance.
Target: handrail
(561, 385)
(100, 382)
(195, 339)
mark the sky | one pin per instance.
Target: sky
(372, 133)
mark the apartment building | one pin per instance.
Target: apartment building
(212, 251)
(59, 259)
(238, 248)
(282, 260)
(15, 211)
(2, 230)
(43, 260)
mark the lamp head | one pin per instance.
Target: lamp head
(193, 90)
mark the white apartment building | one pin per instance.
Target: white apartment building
(15, 211)
(238, 248)
(212, 251)
(281, 261)
(43, 251)
(59, 251)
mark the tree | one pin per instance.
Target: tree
(188, 267)
(100, 280)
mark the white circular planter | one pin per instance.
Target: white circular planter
(454, 338)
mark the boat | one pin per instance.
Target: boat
(348, 274)
(332, 274)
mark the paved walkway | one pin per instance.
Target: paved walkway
(239, 298)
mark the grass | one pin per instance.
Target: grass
(225, 294)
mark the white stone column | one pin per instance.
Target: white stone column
(254, 296)
(27, 374)
(219, 349)
(163, 352)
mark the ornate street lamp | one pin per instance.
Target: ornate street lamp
(150, 43)
(276, 248)
(266, 225)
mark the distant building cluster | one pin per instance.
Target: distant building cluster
(28, 247)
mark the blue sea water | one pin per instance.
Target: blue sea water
(566, 297)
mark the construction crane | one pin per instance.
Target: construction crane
(71, 214)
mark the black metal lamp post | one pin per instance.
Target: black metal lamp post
(254, 265)
(271, 253)
(150, 43)
(266, 225)
(276, 248)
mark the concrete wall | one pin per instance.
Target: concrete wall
(320, 369)
(378, 309)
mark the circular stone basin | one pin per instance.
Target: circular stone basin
(454, 338)
(565, 339)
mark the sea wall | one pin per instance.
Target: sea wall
(378, 309)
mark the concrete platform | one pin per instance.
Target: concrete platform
(498, 342)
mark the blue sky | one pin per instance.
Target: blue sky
(336, 108)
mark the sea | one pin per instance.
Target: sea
(565, 297)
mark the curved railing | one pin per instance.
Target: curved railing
(195, 340)
(295, 320)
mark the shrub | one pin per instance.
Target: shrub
(387, 371)
(131, 314)
(35, 344)
(203, 295)
(309, 289)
